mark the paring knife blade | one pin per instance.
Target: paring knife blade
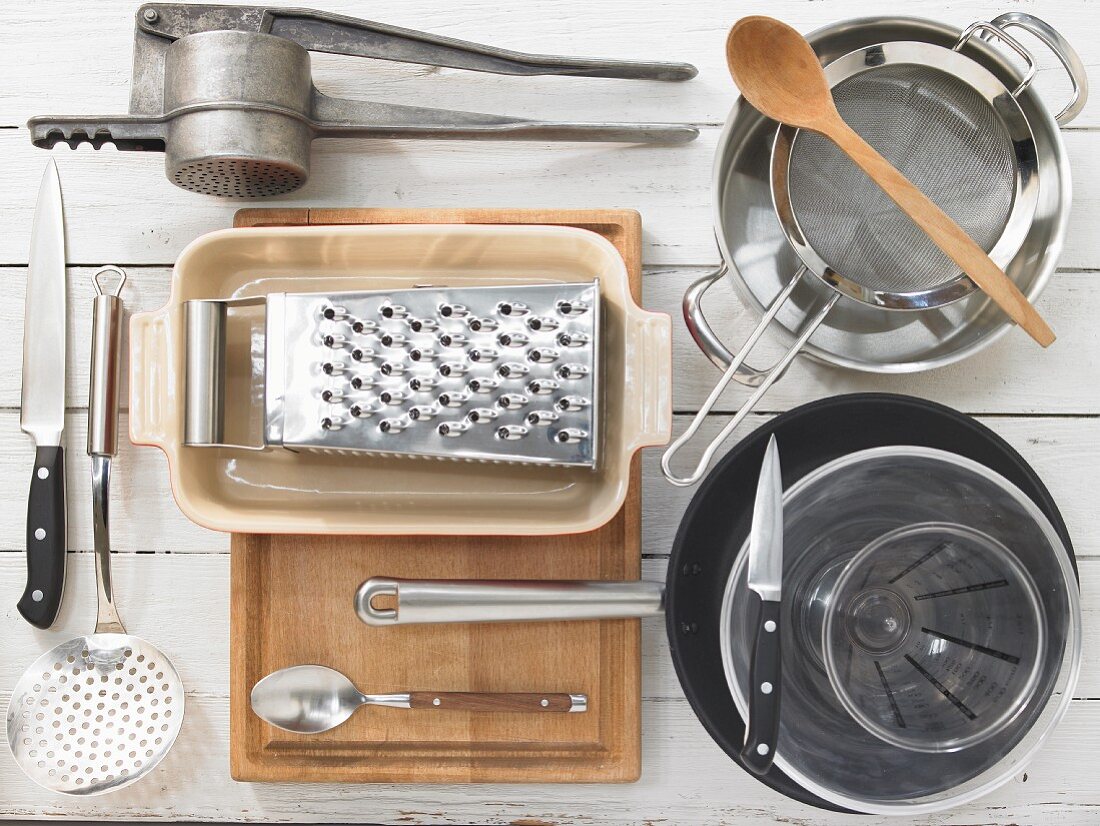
(42, 405)
(765, 578)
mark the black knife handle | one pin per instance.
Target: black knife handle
(45, 539)
(765, 681)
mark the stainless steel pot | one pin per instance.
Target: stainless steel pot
(760, 262)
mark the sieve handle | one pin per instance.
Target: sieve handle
(704, 336)
(1061, 48)
(712, 447)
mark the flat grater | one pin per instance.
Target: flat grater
(496, 374)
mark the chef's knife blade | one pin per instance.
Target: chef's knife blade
(42, 405)
(765, 578)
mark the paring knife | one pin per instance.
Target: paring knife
(765, 577)
(42, 405)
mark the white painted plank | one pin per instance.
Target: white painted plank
(181, 604)
(1065, 452)
(686, 779)
(1012, 376)
(51, 70)
(120, 206)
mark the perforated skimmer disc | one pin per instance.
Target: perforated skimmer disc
(95, 713)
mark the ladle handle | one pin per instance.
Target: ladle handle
(944, 232)
(103, 390)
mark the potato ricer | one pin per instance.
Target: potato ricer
(226, 92)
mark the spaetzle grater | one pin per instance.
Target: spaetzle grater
(500, 373)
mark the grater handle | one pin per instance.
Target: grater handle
(321, 31)
(204, 372)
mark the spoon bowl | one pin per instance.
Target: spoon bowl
(306, 699)
(778, 72)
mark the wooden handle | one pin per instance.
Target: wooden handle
(944, 232)
(489, 701)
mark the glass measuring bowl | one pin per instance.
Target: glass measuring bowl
(935, 637)
(830, 516)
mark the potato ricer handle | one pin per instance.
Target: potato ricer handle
(343, 118)
(129, 133)
(321, 31)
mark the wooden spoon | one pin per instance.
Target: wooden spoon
(778, 72)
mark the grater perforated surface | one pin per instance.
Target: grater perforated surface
(500, 373)
(95, 713)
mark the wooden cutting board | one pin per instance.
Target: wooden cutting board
(291, 603)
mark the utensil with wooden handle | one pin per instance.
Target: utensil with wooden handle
(310, 699)
(778, 72)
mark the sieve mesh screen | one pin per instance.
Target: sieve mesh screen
(943, 136)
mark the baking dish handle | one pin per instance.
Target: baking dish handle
(150, 360)
(1065, 53)
(648, 372)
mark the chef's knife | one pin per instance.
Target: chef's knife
(42, 407)
(765, 577)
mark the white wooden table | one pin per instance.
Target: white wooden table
(60, 57)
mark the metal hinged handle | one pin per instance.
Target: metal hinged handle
(338, 34)
(204, 370)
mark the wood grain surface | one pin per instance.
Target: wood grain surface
(172, 577)
(291, 603)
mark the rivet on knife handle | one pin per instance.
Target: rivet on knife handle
(41, 598)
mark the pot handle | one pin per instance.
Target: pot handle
(804, 334)
(1061, 48)
(430, 601)
(705, 337)
(151, 361)
(649, 374)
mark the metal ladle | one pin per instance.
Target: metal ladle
(309, 699)
(97, 712)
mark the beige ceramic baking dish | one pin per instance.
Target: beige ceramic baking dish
(278, 491)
